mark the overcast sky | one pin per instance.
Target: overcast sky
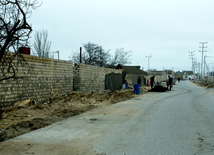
(165, 29)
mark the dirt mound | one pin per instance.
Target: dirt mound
(19, 121)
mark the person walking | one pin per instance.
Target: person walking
(179, 80)
(169, 83)
(152, 80)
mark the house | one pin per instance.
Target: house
(134, 70)
(187, 75)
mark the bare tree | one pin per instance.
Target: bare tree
(97, 56)
(75, 57)
(121, 57)
(93, 54)
(41, 44)
(14, 31)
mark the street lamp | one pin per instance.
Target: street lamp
(148, 60)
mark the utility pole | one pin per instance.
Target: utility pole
(199, 65)
(148, 61)
(204, 67)
(205, 64)
(202, 51)
(56, 52)
(80, 54)
(212, 72)
(191, 57)
(194, 66)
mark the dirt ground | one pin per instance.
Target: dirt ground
(206, 84)
(23, 120)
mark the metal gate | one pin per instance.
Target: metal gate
(113, 81)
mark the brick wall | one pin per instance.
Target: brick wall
(42, 78)
(89, 78)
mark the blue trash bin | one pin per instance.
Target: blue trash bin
(136, 89)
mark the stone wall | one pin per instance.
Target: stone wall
(39, 79)
(131, 79)
(158, 77)
(89, 78)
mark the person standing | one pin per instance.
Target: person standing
(138, 80)
(152, 80)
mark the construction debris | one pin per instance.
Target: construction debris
(24, 104)
(4, 115)
(2, 135)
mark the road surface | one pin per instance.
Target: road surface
(177, 122)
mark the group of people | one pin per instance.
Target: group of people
(152, 81)
(168, 83)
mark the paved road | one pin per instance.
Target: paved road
(177, 122)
